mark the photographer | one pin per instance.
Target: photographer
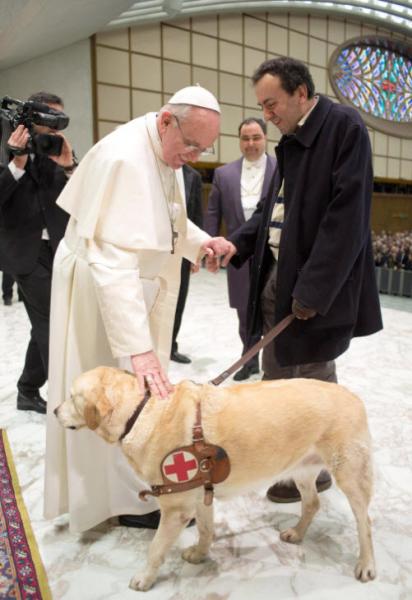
(31, 224)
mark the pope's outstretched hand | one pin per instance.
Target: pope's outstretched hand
(218, 251)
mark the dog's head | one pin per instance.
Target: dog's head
(101, 400)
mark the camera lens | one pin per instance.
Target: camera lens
(47, 144)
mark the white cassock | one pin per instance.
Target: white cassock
(114, 291)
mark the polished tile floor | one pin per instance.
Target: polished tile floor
(248, 561)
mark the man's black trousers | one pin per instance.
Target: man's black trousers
(35, 288)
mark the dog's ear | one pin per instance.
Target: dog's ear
(91, 415)
(96, 408)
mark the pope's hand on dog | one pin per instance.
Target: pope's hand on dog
(149, 372)
(302, 312)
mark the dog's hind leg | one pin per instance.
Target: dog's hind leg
(204, 521)
(172, 522)
(306, 484)
(354, 477)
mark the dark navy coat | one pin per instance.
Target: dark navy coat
(325, 254)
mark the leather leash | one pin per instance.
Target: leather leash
(271, 335)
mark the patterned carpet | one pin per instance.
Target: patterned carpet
(22, 575)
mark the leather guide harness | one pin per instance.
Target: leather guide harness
(200, 464)
(189, 467)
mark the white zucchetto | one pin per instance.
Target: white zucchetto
(195, 95)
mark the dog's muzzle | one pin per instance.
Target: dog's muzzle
(56, 410)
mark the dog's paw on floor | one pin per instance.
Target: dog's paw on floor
(194, 555)
(291, 536)
(141, 582)
(365, 570)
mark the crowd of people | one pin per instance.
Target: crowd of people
(393, 250)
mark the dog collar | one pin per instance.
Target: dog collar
(189, 467)
(132, 420)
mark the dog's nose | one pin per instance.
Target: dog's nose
(56, 410)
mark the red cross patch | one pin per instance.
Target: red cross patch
(180, 466)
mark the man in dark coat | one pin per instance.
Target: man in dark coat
(237, 188)
(193, 193)
(324, 271)
(31, 227)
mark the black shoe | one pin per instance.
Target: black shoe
(245, 372)
(148, 521)
(34, 402)
(180, 358)
(8, 301)
(284, 493)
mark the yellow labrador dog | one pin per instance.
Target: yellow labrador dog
(270, 430)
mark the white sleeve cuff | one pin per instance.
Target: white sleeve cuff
(16, 171)
(192, 241)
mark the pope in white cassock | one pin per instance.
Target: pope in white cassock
(115, 285)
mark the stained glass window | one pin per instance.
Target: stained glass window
(377, 80)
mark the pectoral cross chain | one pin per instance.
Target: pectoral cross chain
(175, 235)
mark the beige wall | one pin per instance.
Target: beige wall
(138, 69)
(392, 212)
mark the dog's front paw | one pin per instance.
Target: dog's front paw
(194, 555)
(365, 570)
(290, 535)
(141, 582)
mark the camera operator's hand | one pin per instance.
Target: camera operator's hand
(19, 139)
(65, 159)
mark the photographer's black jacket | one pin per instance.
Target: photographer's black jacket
(27, 206)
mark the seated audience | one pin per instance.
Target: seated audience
(393, 250)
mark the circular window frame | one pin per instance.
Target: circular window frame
(397, 129)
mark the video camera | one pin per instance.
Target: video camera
(15, 112)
